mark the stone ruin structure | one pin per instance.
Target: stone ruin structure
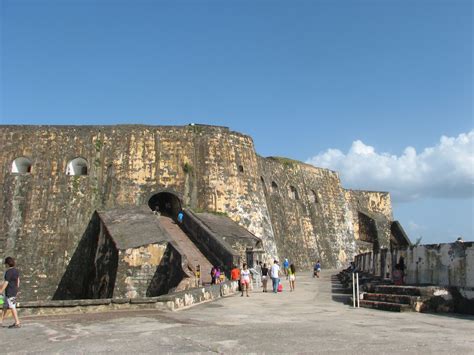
(90, 211)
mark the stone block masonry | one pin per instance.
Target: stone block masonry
(53, 179)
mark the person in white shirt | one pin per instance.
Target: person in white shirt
(245, 279)
(275, 275)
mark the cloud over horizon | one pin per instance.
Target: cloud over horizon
(445, 170)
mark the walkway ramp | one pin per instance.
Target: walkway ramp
(187, 247)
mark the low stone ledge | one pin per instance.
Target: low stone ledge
(173, 301)
(143, 300)
(120, 300)
(94, 302)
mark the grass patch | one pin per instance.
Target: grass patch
(188, 168)
(287, 162)
(200, 210)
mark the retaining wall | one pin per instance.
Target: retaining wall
(173, 301)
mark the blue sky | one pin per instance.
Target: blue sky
(305, 79)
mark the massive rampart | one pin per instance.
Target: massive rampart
(298, 211)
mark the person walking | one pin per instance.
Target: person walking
(317, 269)
(180, 217)
(292, 276)
(275, 275)
(245, 279)
(218, 275)
(235, 276)
(286, 263)
(10, 287)
(264, 277)
(213, 275)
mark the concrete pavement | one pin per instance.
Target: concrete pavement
(312, 319)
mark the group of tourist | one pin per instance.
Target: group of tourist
(261, 274)
(217, 275)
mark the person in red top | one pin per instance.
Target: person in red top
(235, 274)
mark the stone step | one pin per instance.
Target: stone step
(188, 248)
(383, 297)
(386, 306)
(395, 290)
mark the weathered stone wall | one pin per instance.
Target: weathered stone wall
(148, 271)
(377, 206)
(308, 211)
(450, 264)
(219, 253)
(102, 282)
(45, 213)
(441, 264)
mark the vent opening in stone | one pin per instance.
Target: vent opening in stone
(294, 193)
(77, 167)
(274, 186)
(21, 165)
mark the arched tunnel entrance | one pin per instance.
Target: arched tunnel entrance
(167, 203)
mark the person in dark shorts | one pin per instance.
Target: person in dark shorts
(317, 269)
(10, 287)
(265, 277)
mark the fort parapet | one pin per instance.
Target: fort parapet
(55, 179)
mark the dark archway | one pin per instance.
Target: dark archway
(167, 203)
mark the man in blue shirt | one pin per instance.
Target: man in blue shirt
(286, 264)
(317, 269)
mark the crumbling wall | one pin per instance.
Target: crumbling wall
(137, 267)
(441, 264)
(227, 172)
(308, 212)
(447, 265)
(378, 207)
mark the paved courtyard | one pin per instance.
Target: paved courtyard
(313, 320)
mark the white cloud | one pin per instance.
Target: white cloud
(445, 170)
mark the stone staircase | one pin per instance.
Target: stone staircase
(381, 294)
(187, 247)
(406, 298)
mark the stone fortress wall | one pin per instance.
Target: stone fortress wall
(298, 211)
